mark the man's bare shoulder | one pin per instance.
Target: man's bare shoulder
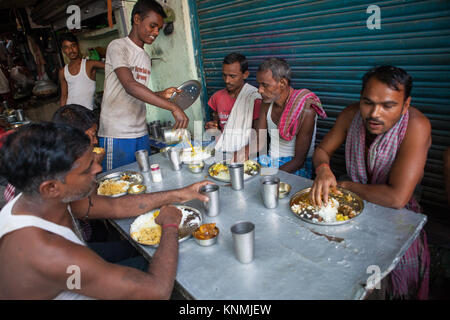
(94, 64)
(418, 125)
(48, 254)
(351, 110)
(41, 257)
(417, 118)
(346, 116)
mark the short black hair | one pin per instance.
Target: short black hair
(38, 152)
(67, 37)
(237, 57)
(391, 76)
(143, 6)
(76, 116)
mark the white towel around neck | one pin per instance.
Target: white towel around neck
(237, 130)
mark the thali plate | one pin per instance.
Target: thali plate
(191, 220)
(132, 177)
(224, 176)
(347, 198)
(190, 90)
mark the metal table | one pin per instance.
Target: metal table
(293, 259)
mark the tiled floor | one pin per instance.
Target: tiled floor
(439, 244)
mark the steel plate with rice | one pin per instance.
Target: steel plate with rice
(144, 229)
(219, 170)
(198, 154)
(343, 206)
(118, 183)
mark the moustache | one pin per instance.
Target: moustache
(374, 120)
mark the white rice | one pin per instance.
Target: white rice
(147, 220)
(328, 213)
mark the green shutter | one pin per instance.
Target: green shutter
(330, 47)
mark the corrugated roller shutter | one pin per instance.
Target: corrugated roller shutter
(330, 47)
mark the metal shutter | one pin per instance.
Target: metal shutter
(329, 48)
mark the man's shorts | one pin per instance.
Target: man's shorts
(120, 152)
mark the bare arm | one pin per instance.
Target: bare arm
(407, 170)
(102, 280)
(325, 178)
(92, 66)
(141, 92)
(97, 64)
(64, 88)
(261, 134)
(134, 205)
(302, 142)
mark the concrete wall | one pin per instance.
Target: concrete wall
(99, 38)
(175, 62)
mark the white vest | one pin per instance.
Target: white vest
(284, 148)
(10, 223)
(80, 87)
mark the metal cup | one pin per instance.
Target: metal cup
(244, 241)
(175, 159)
(154, 131)
(270, 190)
(19, 115)
(142, 160)
(236, 175)
(147, 179)
(212, 192)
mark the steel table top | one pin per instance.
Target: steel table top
(293, 259)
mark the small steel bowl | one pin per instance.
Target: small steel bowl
(196, 167)
(136, 189)
(206, 242)
(283, 190)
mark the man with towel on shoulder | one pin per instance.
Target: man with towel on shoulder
(290, 116)
(235, 108)
(386, 146)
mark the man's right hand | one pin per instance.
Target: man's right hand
(169, 215)
(181, 120)
(192, 192)
(211, 125)
(325, 180)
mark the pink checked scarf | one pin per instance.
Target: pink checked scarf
(297, 100)
(381, 154)
(410, 278)
(9, 192)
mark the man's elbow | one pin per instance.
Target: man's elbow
(399, 202)
(164, 292)
(161, 296)
(128, 89)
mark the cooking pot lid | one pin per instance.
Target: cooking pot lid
(190, 90)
